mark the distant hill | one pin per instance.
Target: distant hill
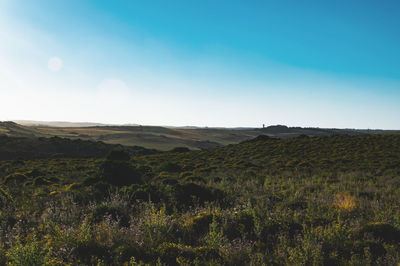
(12, 148)
(58, 123)
(372, 152)
(152, 137)
(282, 131)
(13, 129)
(166, 138)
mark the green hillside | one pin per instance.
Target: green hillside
(376, 153)
(163, 138)
(12, 148)
(299, 201)
(15, 130)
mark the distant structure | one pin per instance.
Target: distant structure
(263, 125)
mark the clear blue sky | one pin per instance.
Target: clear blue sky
(205, 63)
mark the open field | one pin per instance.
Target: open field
(299, 201)
(146, 136)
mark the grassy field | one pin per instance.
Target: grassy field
(162, 138)
(154, 137)
(151, 137)
(300, 201)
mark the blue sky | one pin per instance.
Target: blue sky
(204, 63)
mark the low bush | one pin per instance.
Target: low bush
(384, 232)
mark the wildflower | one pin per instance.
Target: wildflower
(344, 201)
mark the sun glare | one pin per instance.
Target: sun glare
(55, 64)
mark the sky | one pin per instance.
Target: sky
(331, 63)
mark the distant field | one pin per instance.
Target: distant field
(163, 138)
(154, 137)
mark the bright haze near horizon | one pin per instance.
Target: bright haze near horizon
(202, 63)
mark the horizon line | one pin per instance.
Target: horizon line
(102, 124)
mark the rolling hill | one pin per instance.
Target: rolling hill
(167, 138)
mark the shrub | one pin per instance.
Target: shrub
(208, 254)
(158, 227)
(192, 178)
(169, 167)
(241, 224)
(215, 237)
(120, 173)
(189, 193)
(103, 210)
(118, 155)
(381, 231)
(375, 248)
(170, 252)
(237, 252)
(39, 181)
(185, 174)
(144, 192)
(197, 226)
(32, 253)
(16, 177)
(90, 251)
(4, 196)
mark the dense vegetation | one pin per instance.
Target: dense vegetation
(12, 148)
(301, 201)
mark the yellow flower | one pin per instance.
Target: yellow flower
(344, 201)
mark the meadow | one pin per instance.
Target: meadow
(328, 200)
(164, 138)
